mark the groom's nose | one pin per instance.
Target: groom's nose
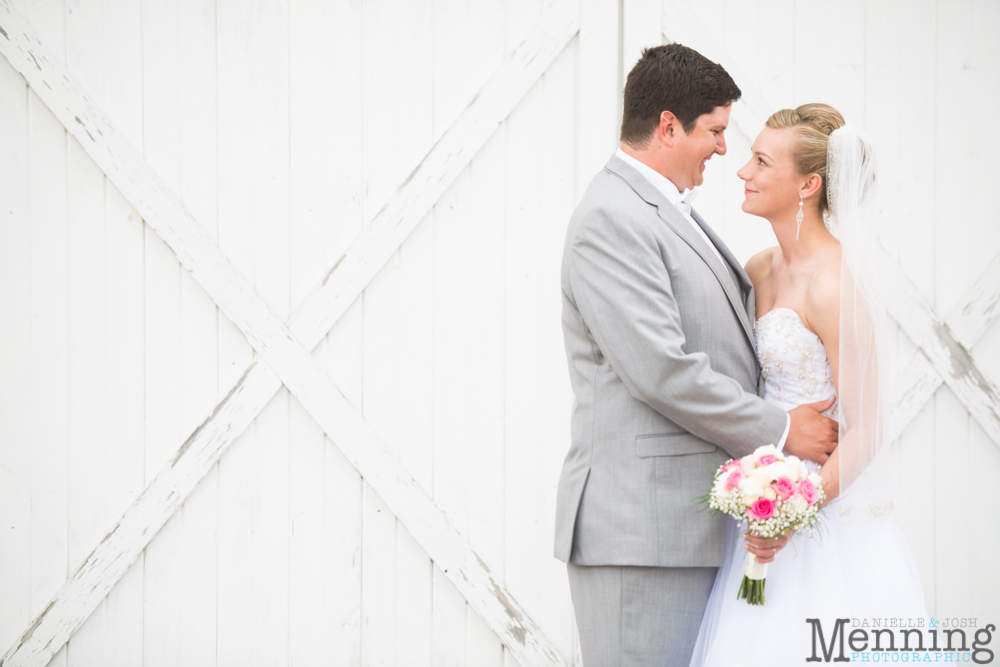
(720, 144)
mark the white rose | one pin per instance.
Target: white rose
(781, 469)
(764, 475)
(802, 472)
(770, 494)
(751, 488)
(793, 461)
(748, 464)
(815, 479)
(766, 449)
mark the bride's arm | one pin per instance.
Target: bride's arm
(823, 315)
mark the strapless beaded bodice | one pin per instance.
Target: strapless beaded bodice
(793, 361)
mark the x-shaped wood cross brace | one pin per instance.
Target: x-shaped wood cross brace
(282, 351)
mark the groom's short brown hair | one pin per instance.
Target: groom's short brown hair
(674, 78)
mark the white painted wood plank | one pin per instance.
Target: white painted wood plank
(952, 252)
(554, 391)
(15, 362)
(48, 352)
(122, 94)
(985, 461)
(126, 381)
(523, 400)
(813, 53)
(681, 23)
(164, 322)
(599, 92)
(641, 27)
(483, 378)
(313, 174)
(414, 601)
(162, 362)
(481, 645)
(87, 519)
(269, 538)
(378, 581)
(448, 642)
(237, 474)
(557, 26)
(195, 64)
(453, 425)
(238, 510)
(269, 101)
(846, 78)
(343, 512)
(310, 593)
(914, 246)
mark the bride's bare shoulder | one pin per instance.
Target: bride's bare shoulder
(823, 297)
(759, 266)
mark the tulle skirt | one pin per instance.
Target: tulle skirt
(856, 569)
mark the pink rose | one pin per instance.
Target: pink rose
(733, 480)
(808, 491)
(766, 460)
(784, 487)
(762, 508)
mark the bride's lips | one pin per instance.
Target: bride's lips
(749, 192)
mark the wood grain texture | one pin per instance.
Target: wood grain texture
(276, 344)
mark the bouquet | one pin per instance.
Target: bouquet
(775, 494)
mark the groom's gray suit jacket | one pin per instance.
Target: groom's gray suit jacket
(661, 357)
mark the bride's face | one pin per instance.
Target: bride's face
(771, 181)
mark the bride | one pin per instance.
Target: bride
(817, 323)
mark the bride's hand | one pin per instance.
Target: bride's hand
(766, 548)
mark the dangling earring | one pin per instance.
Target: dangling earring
(798, 219)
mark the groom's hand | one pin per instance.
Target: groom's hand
(811, 435)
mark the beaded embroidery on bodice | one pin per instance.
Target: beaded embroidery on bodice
(793, 360)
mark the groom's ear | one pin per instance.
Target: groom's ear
(668, 128)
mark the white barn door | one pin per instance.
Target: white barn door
(283, 373)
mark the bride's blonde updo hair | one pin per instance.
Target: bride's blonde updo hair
(815, 122)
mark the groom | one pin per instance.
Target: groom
(657, 320)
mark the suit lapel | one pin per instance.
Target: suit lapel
(675, 220)
(741, 276)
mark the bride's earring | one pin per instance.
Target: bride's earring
(798, 219)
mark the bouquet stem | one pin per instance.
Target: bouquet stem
(752, 587)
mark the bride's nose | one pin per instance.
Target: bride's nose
(743, 173)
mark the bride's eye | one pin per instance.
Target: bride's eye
(761, 162)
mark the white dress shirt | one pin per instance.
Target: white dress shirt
(682, 201)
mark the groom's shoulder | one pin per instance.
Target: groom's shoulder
(610, 197)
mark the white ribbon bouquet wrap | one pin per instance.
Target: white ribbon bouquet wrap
(774, 493)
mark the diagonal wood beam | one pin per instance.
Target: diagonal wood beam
(947, 359)
(943, 354)
(279, 346)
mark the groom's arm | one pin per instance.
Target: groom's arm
(624, 294)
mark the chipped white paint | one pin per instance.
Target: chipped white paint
(975, 312)
(279, 345)
(946, 355)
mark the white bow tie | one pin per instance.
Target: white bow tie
(685, 201)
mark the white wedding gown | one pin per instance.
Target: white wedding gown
(851, 567)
